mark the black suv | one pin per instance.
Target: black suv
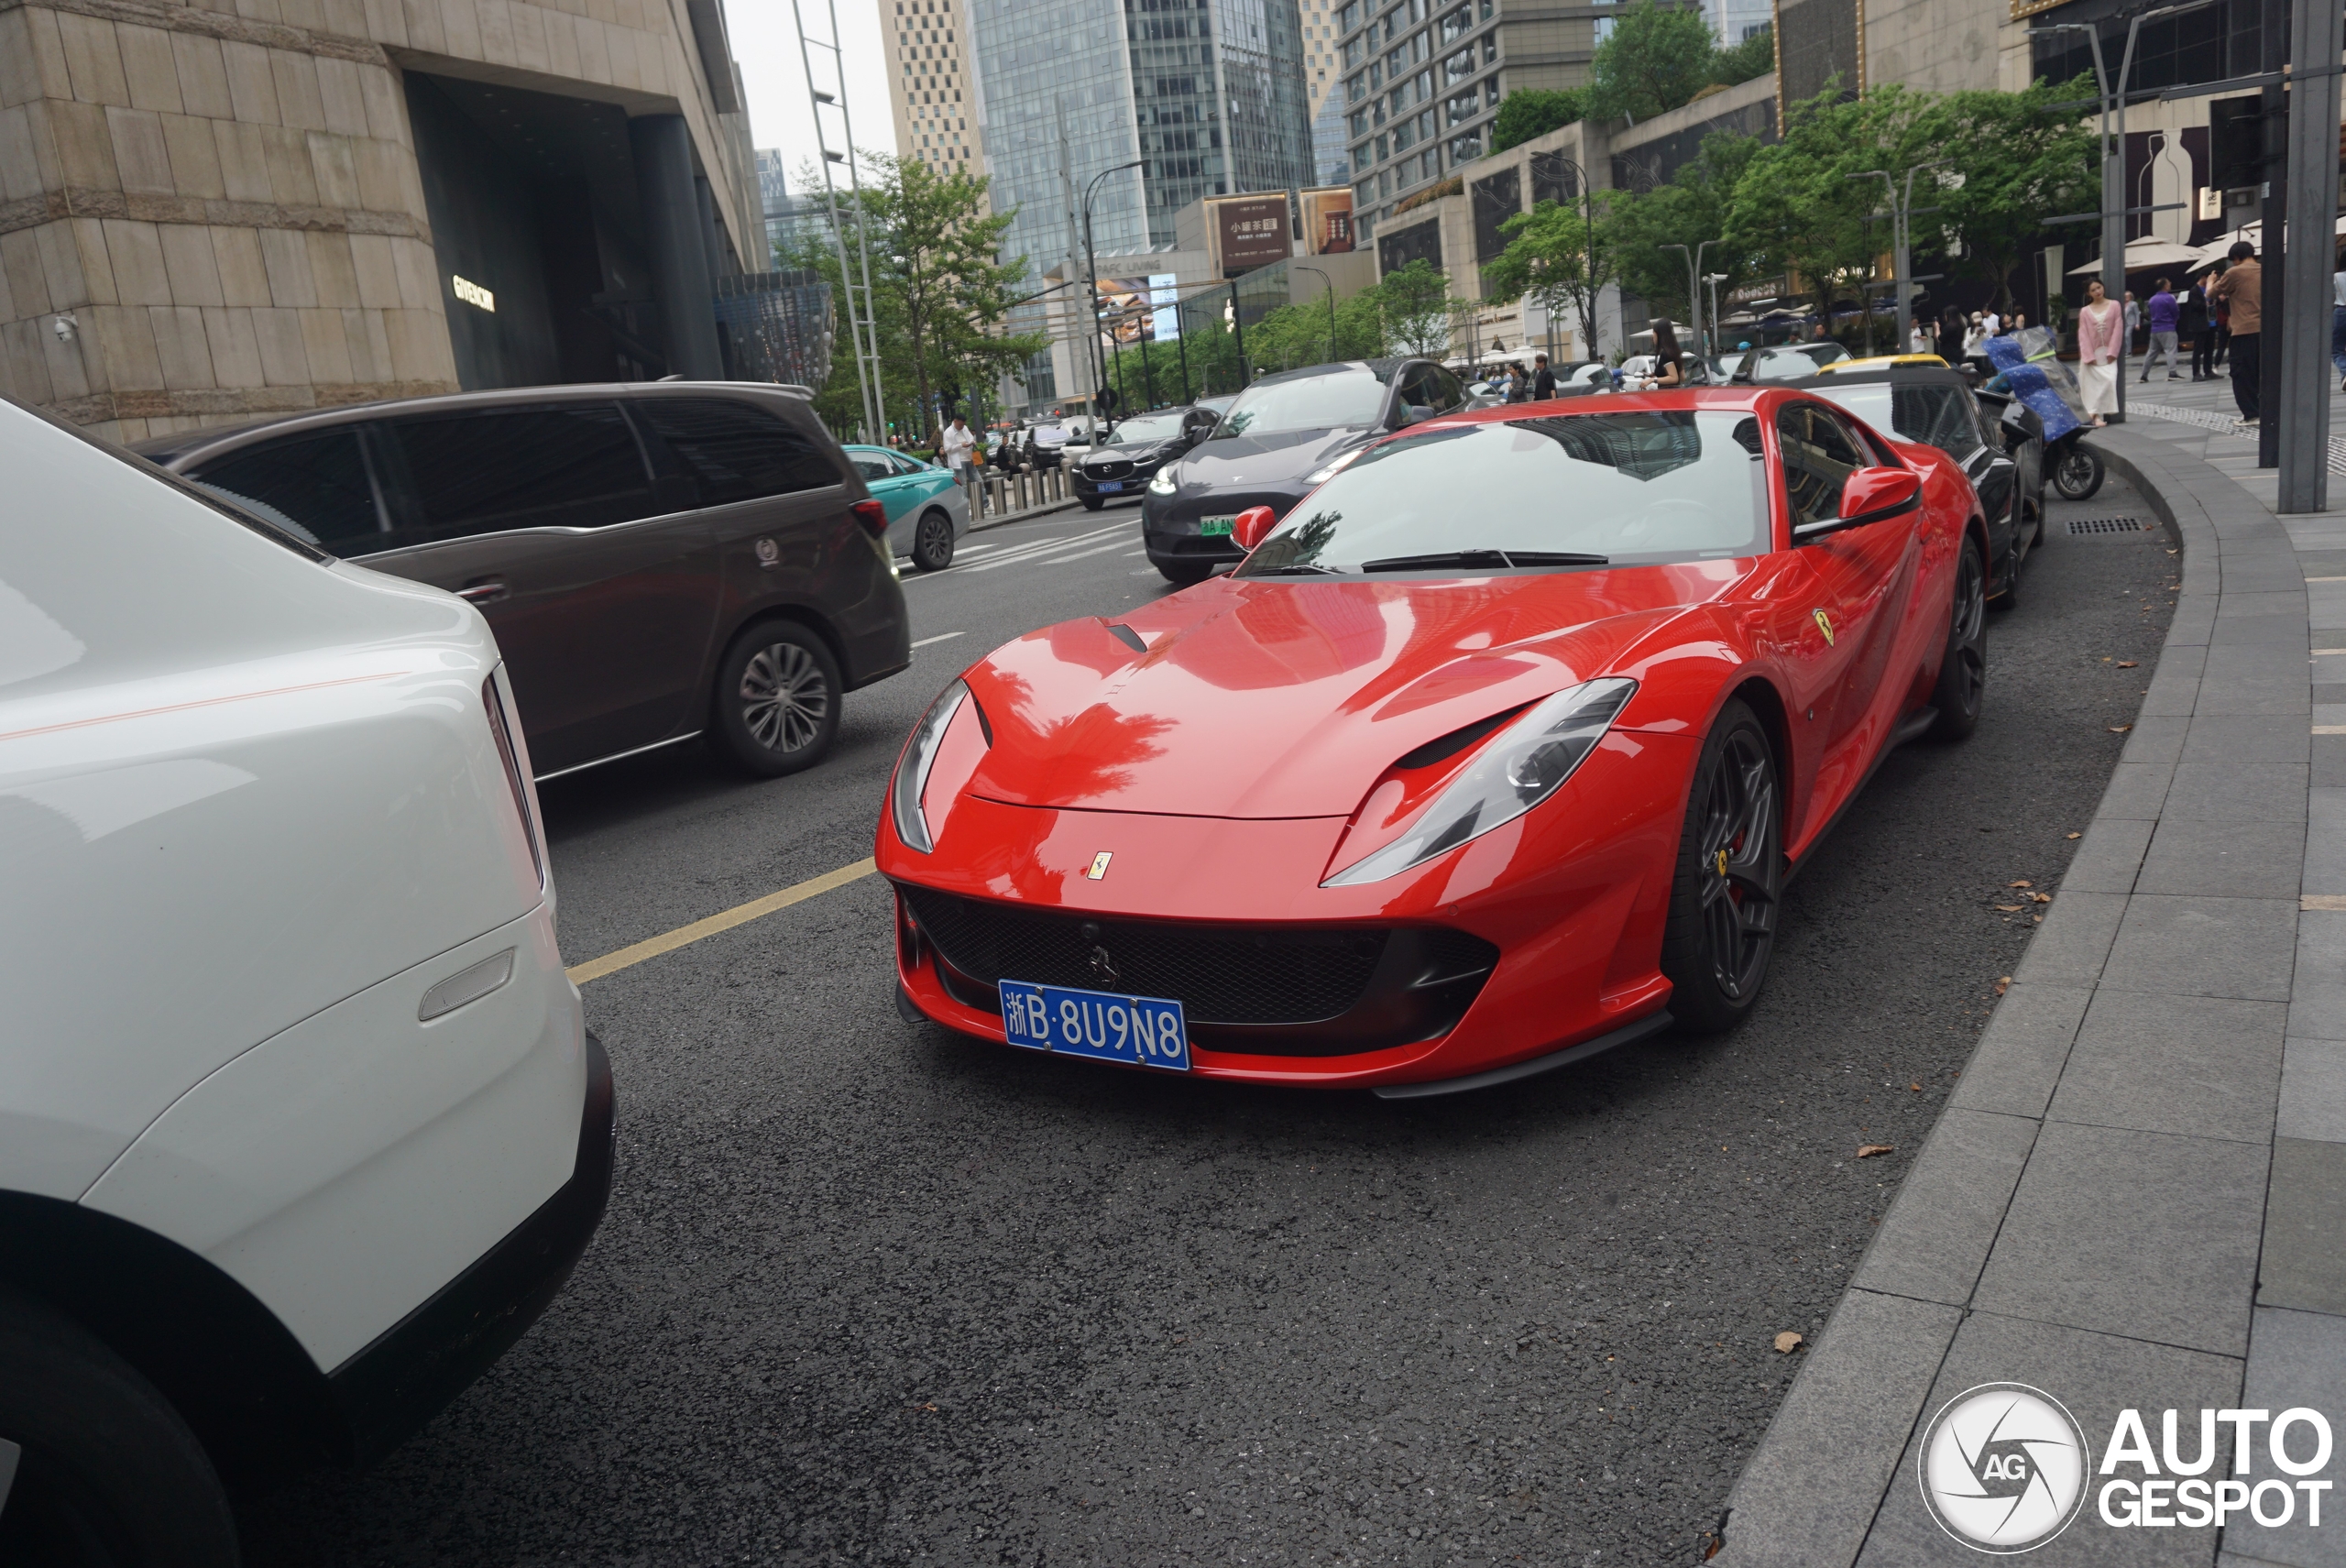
(659, 560)
(1278, 441)
(1128, 457)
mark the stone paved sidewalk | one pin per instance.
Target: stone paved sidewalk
(2136, 1198)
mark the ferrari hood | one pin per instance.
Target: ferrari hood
(1278, 697)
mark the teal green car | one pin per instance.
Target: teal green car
(926, 510)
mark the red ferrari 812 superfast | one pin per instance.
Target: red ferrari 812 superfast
(1494, 753)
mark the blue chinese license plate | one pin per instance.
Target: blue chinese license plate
(1146, 1031)
(1109, 486)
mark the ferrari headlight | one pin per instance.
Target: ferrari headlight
(1163, 483)
(911, 768)
(1328, 471)
(1523, 765)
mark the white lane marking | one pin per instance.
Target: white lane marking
(940, 637)
(1143, 572)
(1079, 555)
(1142, 550)
(1045, 547)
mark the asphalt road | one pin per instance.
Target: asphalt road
(871, 1293)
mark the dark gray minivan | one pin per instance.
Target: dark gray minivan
(658, 560)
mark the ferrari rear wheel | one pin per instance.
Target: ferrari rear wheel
(1963, 673)
(1730, 877)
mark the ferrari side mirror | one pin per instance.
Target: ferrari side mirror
(1870, 495)
(1249, 527)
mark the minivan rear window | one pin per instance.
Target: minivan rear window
(317, 482)
(736, 452)
(569, 465)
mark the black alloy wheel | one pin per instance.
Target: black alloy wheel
(1092, 503)
(777, 700)
(1728, 888)
(2079, 475)
(933, 541)
(103, 1473)
(1963, 672)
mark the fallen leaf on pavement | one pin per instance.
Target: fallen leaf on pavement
(2041, 898)
(2130, 663)
(2004, 985)
(2120, 728)
(2008, 908)
(1867, 1151)
(1915, 1087)
(1788, 1342)
(2076, 835)
(2023, 883)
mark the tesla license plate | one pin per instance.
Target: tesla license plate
(1211, 526)
(1146, 1031)
(1109, 486)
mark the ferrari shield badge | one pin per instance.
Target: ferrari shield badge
(1099, 865)
(1824, 624)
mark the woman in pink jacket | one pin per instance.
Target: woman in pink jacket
(2100, 325)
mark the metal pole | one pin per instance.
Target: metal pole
(1091, 278)
(2303, 407)
(1067, 193)
(1181, 346)
(2275, 123)
(867, 323)
(1238, 329)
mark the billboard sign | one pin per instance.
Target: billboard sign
(1328, 220)
(1123, 305)
(1251, 231)
(1165, 294)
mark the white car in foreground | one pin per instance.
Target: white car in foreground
(300, 1127)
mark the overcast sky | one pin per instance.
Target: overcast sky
(765, 41)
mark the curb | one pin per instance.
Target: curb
(2028, 1240)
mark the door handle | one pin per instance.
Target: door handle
(488, 590)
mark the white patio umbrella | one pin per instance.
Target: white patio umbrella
(2215, 250)
(2145, 253)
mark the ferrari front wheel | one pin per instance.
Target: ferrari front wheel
(1730, 878)
(1963, 672)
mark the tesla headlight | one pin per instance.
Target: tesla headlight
(1523, 765)
(1163, 483)
(911, 768)
(1335, 466)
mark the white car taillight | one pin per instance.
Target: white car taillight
(494, 701)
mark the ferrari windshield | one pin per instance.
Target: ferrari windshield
(1353, 396)
(1630, 488)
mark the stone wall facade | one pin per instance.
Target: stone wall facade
(212, 212)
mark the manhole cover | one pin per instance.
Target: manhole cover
(2106, 525)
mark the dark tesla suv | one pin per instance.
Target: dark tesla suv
(1124, 463)
(658, 560)
(1281, 437)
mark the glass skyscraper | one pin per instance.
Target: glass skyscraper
(1208, 94)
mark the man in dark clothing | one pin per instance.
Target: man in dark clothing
(2241, 288)
(2199, 327)
(1544, 380)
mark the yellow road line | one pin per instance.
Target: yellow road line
(724, 920)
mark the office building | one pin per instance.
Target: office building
(938, 115)
(232, 217)
(1423, 78)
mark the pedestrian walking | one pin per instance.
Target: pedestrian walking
(2222, 312)
(1668, 368)
(2133, 322)
(2199, 325)
(2338, 319)
(955, 446)
(1953, 343)
(1989, 326)
(1543, 379)
(2165, 315)
(2242, 289)
(2099, 327)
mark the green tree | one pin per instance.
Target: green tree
(1691, 207)
(1529, 112)
(1739, 63)
(1556, 258)
(1654, 60)
(1415, 305)
(940, 293)
(2017, 155)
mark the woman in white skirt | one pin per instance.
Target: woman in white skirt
(2099, 327)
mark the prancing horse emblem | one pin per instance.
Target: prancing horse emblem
(1824, 624)
(1099, 865)
(1102, 967)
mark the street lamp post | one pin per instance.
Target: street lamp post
(1588, 252)
(2113, 162)
(1091, 284)
(1331, 283)
(1901, 240)
(1715, 279)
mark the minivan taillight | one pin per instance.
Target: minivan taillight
(873, 515)
(494, 701)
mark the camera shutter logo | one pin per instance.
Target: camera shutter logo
(2003, 1467)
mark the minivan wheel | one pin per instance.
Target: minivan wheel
(933, 542)
(1182, 574)
(777, 700)
(107, 1473)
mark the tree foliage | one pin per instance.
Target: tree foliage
(2018, 158)
(1529, 112)
(1655, 59)
(1558, 258)
(1739, 63)
(939, 291)
(1691, 207)
(1414, 302)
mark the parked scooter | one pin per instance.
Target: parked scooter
(2041, 404)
